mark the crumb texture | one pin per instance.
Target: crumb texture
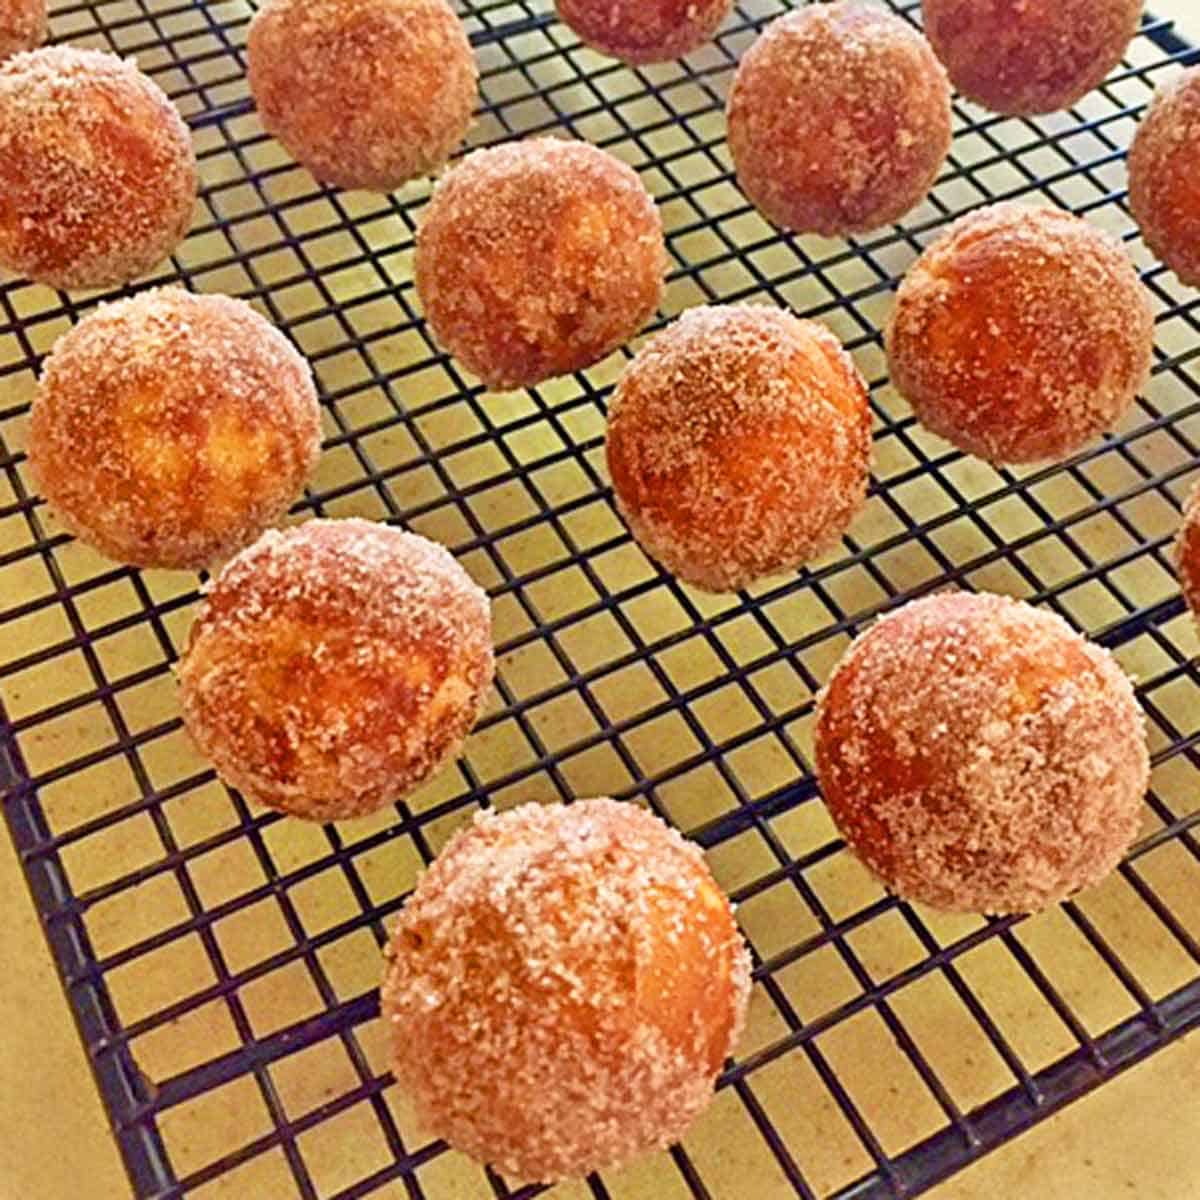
(1021, 334)
(1026, 58)
(336, 666)
(839, 119)
(981, 756)
(170, 429)
(739, 444)
(364, 93)
(97, 171)
(564, 986)
(538, 258)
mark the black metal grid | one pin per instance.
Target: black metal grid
(219, 959)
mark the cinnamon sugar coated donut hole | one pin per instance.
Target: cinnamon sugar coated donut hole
(538, 258)
(336, 666)
(1021, 334)
(97, 171)
(1021, 59)
(364, 93)
(169, 430)
(980, 756)
(1187, 553)
(23, 25)
(839, 119)
(1164, 186)
(565, 984)
(739, 444)
(644, 31)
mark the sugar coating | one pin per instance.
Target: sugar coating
(739, 444)
(564, 985)
(981, 756)
(1164, 190)
(1021, 334)
(334, 667)
(538, 258)
(97, 171)
(839, 119)
(170, 429)
(1024, 58)
(644, 31)
(1187, 552)
(23, 25)
(364, 93)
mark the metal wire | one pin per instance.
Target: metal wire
(592, 637)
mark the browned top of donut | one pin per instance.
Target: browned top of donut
(566, 983)
(643, 31)
(1029, 58)
(980, 755)
(334, 666)
(381, 582)
(839, 118)
(739, 443)
(365, 93)
(169, 428)
(537, 258)
(1021, 333)
(97, 171)
(1164, 186)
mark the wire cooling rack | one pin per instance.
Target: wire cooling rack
(222, 963)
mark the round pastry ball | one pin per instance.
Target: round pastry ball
(565, 984)
(1021, 59)
(364, 93)
(97, 171)
(1164, 188)
(644, 31)
(169, 430)
(739, 444)
(336, 666)
(538, 258)
(839, 119)
(1188, 553)
(1021, 334)
(980, 756)
(23, 25)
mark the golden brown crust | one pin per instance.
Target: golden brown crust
(170, 429)
(1164, 185)
(565, 985)
(336, 666)
(538, 258)
(364, 93)
(1021, 334)
(1029, 58)
(980, 756)
(23, 25)
(97, 171)
(839, 119)
(644, 31)
(739, 443)
(1187, 552)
